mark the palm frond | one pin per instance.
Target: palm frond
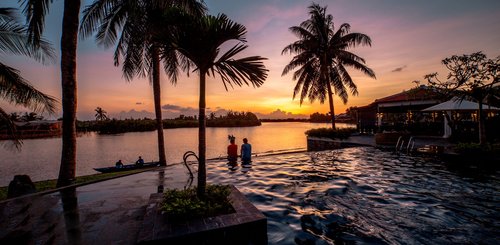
(16, 90)
(98, 12)
(35, 11)
(14, 40)
(11, 128)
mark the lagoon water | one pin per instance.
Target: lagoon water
(40, 158)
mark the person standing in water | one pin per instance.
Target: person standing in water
(232, 151)
(246, 152)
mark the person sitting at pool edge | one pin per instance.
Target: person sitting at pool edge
(232, 151)
(139, 161)
(119, 164)
(246, 152)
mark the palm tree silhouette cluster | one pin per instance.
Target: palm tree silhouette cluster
(180, 36)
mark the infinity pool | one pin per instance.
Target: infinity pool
(367, 196)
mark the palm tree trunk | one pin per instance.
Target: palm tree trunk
(69, 44)
(482, 128)
(330, 101)
(157, 100)
(202, 171)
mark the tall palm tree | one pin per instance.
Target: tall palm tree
(35, 11)
(100, 114)
(321, 58)
(135, 25)
(199, 41)
(13, 87)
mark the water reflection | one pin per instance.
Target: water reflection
(368, 196)
(71, 215)
(40, 158)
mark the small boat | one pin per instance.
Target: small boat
(127, 167)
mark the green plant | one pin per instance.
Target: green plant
(184, 204)
(476, 148)
(342, 133)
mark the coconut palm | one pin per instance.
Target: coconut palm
(322, 57)
(13, 87)
(35, 11)
(100, 114)
(134, 25)
(199, 40)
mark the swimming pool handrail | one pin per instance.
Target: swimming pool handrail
(185, 157)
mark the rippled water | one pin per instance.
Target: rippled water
(367, 196)
(40, 158)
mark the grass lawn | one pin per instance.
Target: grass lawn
(87, 179)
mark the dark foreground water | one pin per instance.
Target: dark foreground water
(368, 196)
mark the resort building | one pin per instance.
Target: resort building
(34, 129)
(398, 111)
(419, 111)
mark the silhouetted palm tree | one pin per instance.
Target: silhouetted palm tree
(199, 40)
(135, 26)
(321, 58)
(100, 114)
(13, 88)
(35, 11)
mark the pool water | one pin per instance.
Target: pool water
(367, 196)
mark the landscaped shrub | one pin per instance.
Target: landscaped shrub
(342, 133)
(476, 148)
(184, 204)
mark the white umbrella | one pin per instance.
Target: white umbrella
(456, 104)
(460, 105)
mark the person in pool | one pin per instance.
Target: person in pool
(246, 152)
(232, 151)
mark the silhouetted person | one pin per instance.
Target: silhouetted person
(246, 152)
(139, 162)
(119, 164)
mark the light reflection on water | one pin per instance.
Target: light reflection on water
(40, 158)
(368, 196)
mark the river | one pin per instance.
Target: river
(40, 158)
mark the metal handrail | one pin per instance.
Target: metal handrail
(185, 157)
(397, 144)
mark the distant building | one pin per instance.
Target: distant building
(34, 129)
(397, 111)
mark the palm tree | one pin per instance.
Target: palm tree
(100, 114)
(321, 58)
(13, 88)
(35, 11)
(140, 23)
(199, 41)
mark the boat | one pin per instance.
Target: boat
(127, 167)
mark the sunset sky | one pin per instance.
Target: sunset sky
(409, 39)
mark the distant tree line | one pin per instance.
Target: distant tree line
(113, 126)
(23, 117)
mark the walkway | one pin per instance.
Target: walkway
(107, 212)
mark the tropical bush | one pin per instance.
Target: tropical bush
(184, 204)
(476, 148)
(342, 133)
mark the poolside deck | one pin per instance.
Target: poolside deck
(107, 212)
(369, 140)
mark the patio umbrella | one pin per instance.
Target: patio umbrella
(456, 104)
(460, 105)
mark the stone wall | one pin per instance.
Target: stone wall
(321, 144)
